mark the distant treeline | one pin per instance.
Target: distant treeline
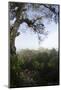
(34, 68)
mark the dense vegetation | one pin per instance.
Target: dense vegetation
(34, 68)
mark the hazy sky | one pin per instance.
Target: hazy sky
(28, 39)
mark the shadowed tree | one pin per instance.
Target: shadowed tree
(19, 13)
(33, 15)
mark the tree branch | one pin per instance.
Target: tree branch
(51, 9)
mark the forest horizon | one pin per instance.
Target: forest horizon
(34, 44)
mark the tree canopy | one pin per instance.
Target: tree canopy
(32, 14)
(43, 64)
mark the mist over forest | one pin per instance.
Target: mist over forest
(34, 48)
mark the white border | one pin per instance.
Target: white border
(4, 44)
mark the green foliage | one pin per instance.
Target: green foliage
(33, 67)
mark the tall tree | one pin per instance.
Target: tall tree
(32, 14)
(19, 13)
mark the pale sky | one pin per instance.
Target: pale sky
(27, 38)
